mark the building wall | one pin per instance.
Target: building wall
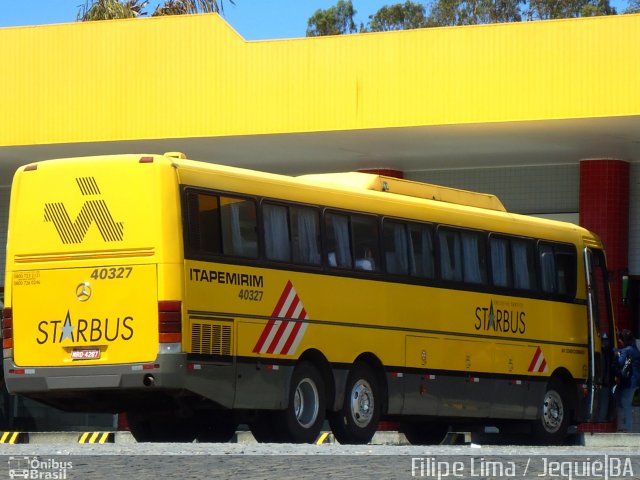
(543, 189)
(190, 76)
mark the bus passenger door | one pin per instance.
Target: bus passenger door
(601, 330)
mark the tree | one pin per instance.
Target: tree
(185, 7)
(401, 16)
(550, 9)
(634, 7)
(110, 9)
(335, 20)
(114, 9)
(472, 12)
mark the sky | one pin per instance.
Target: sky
(252, 19)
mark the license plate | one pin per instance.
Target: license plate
(85, 354)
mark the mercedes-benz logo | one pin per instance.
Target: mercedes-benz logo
(83, 292)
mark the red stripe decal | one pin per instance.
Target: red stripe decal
(292, 307)
(276, 313)
(278, 336)
(535, 359)
(292, 337)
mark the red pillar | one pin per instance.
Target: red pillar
(604, 209)
(387, 172)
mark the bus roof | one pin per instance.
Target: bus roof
(382, 183)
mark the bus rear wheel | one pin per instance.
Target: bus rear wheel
(424, 433)
(357, 421)
(216, 426)
(552, 424)
(264, 427)
(160, 427)
(302, 420)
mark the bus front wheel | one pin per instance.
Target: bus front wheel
(357, 420)
(552, 424)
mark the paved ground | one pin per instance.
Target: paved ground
(285, 461)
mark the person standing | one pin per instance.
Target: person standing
(629, 384)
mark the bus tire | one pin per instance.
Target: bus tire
(552, 425)
(357, 421)
(160, 427)
(216, 426)
(264, 428)
(302, 420)
(424, 433)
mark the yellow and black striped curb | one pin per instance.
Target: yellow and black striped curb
(325, 437)
(14, 437)
(97, 437)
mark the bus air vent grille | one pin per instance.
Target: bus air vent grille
(210, 338)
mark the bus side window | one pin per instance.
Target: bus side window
(474, 254)
(396, 248)
(547, 268)
(523, 265)
(338, 240)
(566, 264)
(365, 239)
(275, 221)
(500, 265)
(305, 235)
(239, 229)
(203, 213)
(450, 250)
(558, 268)
(421, 254)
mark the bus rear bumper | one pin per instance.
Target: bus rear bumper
(165, 383)
(167, 372)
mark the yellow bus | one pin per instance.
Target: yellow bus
(197, 297)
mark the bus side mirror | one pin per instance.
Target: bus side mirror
(625, 289)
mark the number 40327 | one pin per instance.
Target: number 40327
(251, 295)
(111, 273)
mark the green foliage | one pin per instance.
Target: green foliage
(550, 9)
(185, 7)
(441, 13)
(114, 9)
(473, 12)
(634, 7)
(335, 20)
(401, 16)
(110, 9)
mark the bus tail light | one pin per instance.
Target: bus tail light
(7, 328)
(170, 321)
